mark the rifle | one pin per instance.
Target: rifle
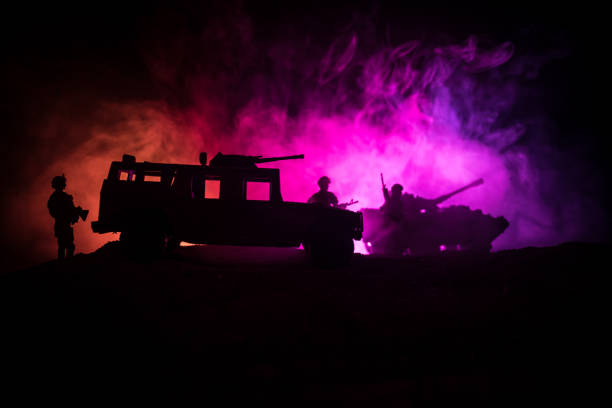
(344, 205)
(78, 212)
(385, 191)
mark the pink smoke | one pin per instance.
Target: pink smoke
(401, 129)
(424, 116)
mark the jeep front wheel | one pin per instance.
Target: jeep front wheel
(142, 242)
(330, 250)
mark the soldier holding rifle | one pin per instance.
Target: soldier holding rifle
(61, 207)
(393, 202)
(324, 197)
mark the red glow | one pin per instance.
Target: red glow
(402, 124)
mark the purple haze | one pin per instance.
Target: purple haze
(431, 116)
(394, 111)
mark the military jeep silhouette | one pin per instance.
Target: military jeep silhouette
(228, 202)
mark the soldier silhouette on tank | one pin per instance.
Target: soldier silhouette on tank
(323, 197)
(407, 223)
(62, 208)
(392, 207)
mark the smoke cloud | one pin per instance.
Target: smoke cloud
(432, 115)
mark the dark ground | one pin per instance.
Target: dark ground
(521, 326)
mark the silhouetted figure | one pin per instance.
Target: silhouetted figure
(393, 202)
(61, 207)
(323, 197)
(390, 232)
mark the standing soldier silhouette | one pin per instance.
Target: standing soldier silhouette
(393, 202)
(324, 197)
(390, 236)
(61, 207)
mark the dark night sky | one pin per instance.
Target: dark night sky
(54, 49)
(98, 51)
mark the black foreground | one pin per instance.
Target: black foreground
(250, 324)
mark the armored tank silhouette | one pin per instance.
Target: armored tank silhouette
(227, 202)
(427, 229)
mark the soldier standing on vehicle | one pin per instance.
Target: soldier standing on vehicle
(61, 207)
(323, 197)
(393, 202)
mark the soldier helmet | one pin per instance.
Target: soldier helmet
(398, 188)
(323, 181)
(58, 182)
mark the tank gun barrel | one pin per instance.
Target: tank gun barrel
(236, 160)
(259, 159)
(460, 190)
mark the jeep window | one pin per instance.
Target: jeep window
(212, 189)
(152, 178)
(126, 175)
(258, 190)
